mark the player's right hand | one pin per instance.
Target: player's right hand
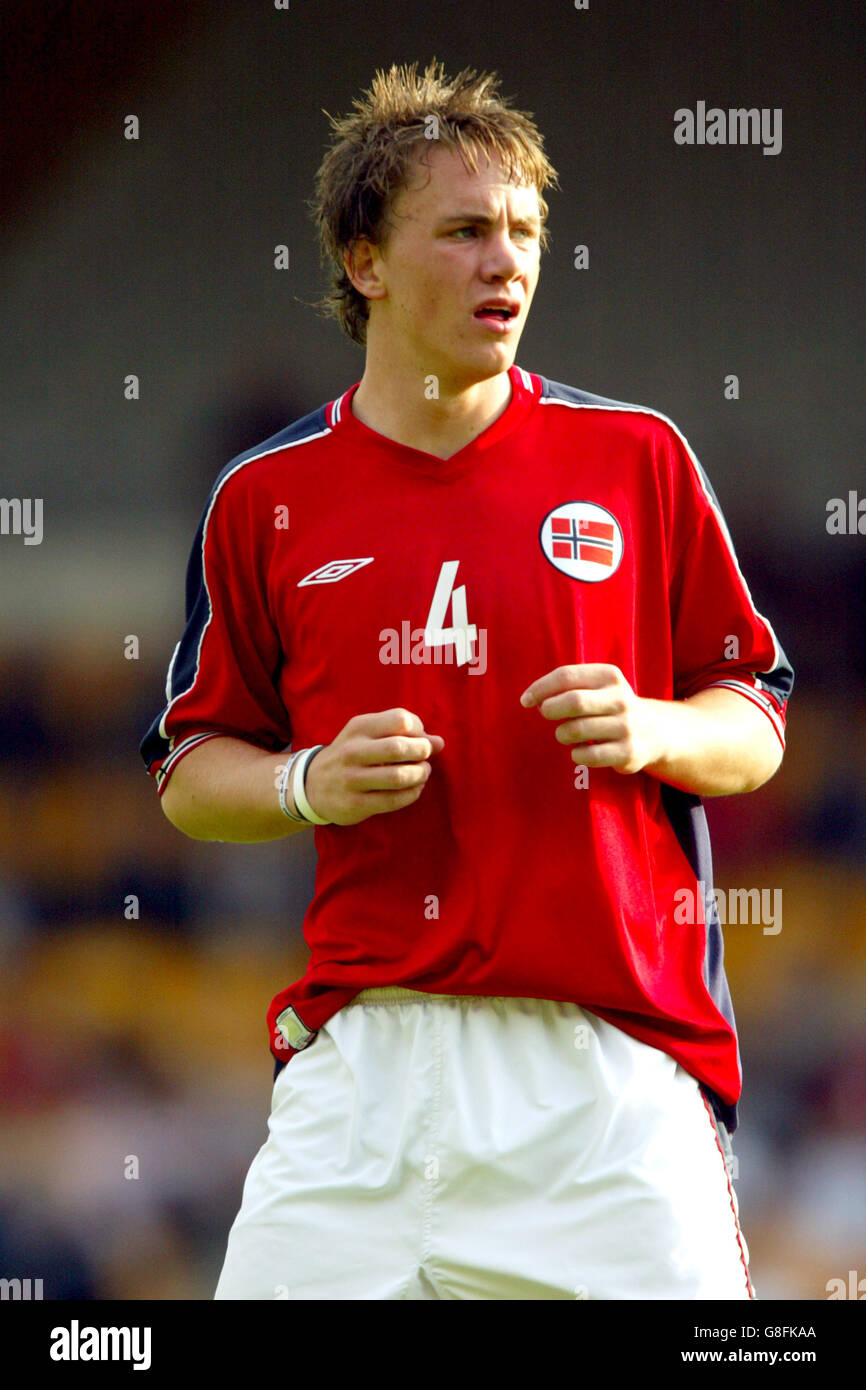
(377, 763)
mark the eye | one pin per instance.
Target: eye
(458, 230)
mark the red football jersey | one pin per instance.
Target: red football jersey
(337, 572)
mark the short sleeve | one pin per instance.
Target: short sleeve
(719, 637)
(223, 677)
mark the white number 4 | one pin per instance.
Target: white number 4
(461, 632)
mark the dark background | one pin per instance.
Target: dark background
(142, 1038)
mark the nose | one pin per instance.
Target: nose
(501, 256)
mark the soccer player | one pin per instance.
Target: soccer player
(488, 635)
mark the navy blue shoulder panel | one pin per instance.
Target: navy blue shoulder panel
(689, 820)
(308, 425)
(185, 661)
(315, 422)
(559, 391)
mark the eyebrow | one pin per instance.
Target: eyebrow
(483, 219)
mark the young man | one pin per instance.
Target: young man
(501, 625)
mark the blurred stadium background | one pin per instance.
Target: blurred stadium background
(142, 1038)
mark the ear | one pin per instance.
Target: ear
(365, 268)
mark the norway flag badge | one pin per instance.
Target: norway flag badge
(582, 540)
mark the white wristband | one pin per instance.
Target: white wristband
(283, 788)
(300, 771)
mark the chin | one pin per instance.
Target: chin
(475, 374)
(492, 360)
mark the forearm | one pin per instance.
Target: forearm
(716, 743)
(227, 789)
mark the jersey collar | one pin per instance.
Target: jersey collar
(525, 392)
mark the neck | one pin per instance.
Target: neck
(423, 411)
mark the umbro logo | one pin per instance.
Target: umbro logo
(334, 570)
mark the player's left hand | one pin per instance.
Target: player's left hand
(596, 710)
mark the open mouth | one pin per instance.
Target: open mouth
(495, 315)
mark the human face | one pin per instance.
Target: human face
(456, 241)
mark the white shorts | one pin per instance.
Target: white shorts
(440, 1146)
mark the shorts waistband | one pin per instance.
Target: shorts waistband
(394, 994)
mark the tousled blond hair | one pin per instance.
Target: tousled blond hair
(373, 150)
